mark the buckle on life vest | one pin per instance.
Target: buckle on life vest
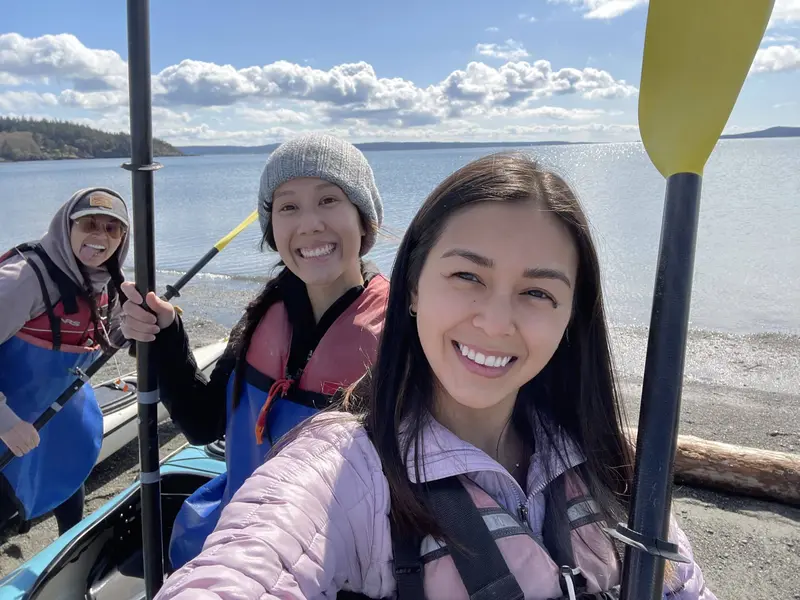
(77, 371)
(279, 388)
(568, 573)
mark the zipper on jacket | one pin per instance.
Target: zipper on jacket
(523, 514)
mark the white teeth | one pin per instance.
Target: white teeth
(481, 359)
(96, 247)
(316, 252)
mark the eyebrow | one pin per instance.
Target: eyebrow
(319, 186)
(488, 263)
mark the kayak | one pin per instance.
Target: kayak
(117, 400)
(101, 557)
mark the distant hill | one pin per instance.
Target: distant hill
(772, 132)
(373, 146)
(28, 139)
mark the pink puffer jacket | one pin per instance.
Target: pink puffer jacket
(314, 520)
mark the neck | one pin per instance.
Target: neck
(322, 297)
(489, 429)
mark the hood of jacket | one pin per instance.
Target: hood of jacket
(56, 243)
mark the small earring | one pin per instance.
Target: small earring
(412, 312)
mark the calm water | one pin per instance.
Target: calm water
(747, 276)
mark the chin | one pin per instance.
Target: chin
(319, 277)
(473, 398)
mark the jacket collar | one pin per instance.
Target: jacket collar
(447, 455)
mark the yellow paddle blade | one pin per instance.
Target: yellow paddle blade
(696, 57)
(239, 228)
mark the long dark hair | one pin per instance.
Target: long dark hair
(575, 394)
(242, 334)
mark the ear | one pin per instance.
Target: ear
(412, 305)
(362, 228)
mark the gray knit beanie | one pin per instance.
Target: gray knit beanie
(329, 158)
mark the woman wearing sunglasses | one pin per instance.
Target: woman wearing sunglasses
(60, 299)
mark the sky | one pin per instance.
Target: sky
(251, 72)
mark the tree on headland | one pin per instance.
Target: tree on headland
(31, 139)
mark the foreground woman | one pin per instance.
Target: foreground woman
(485, 454)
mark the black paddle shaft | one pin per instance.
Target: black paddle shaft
(142, 168)
(648, 521)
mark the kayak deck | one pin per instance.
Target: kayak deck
(102, 558)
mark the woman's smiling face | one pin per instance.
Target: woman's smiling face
(494, 299)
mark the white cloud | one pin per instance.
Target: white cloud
(776, 58)
(456, 131)
(558, 113)
(602, 9)
(516, 82)
(510, 50)
(197, 100)
(784, 11)
(25, 102)
(8, 79)
(526, 17)
(265, 116)
(492, 29)
(93, 100)
(778, 39)
(62, 56)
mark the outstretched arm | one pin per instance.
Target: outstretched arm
(309, 522)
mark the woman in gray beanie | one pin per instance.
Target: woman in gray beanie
(312, 330)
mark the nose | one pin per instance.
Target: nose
(495, 316)
(310, 222)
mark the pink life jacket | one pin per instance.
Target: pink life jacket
(497, 557)
(358, 329)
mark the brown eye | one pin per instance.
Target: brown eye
(542, 295)
(467, 276)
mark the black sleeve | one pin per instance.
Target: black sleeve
(197, 404)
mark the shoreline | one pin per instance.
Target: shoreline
(412, 146)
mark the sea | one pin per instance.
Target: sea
(747, 265)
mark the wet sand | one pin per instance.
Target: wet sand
(739, 389)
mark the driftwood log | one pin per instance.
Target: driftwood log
(736, 469)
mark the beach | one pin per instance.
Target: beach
(739, 389)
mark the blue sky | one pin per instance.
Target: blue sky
(257, 71)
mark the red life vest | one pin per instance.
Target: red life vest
(67, 324)
(359, 327)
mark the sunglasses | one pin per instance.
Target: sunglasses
(114, 229)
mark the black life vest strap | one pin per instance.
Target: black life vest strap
(408, 567)
(67, 288)
(479, 561)
(55, 322)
